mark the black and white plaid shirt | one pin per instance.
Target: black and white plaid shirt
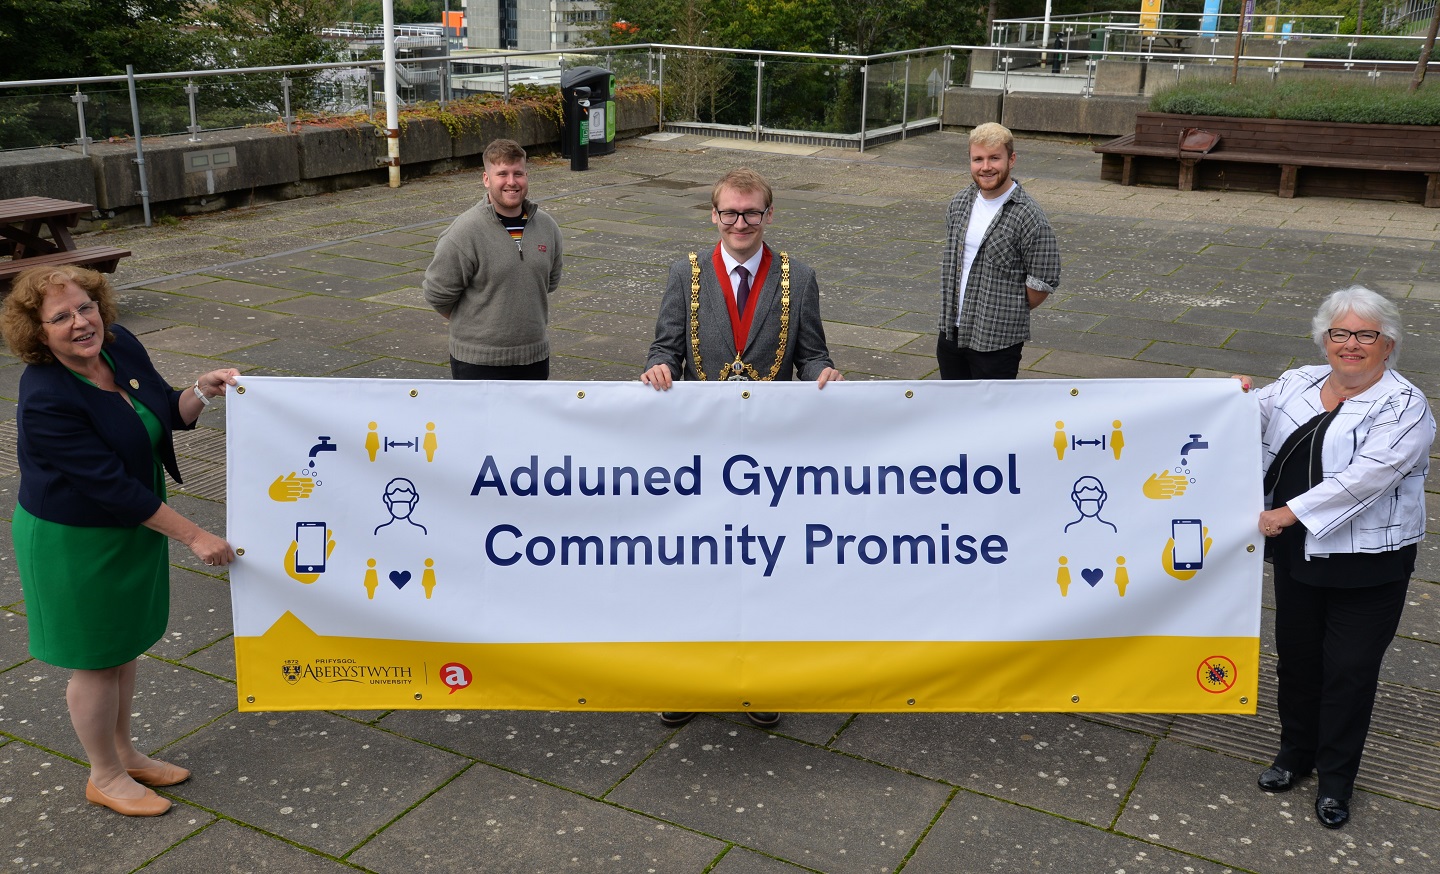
(1018, 250)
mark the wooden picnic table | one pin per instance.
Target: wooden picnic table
(22, 220)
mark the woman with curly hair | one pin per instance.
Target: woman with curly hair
(94, 422)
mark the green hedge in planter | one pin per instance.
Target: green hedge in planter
(1369, 50)
(1309, 100)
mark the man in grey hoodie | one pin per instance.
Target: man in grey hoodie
(492, 275)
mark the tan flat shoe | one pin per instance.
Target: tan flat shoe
(164, 774)
(148, 804)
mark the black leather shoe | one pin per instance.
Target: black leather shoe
(1276, 779)
(675, 719)
(764, 720)
(1332, 812)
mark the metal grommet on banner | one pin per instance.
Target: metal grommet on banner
(1250, 548)
(1244, 699)
(909, 393)
(911, 702)
(582, 700)
(744, 703)
(414, 393)
(250, 699)
(418, 696)
(580, 395)
(745, 395)
(1074, 392)
(1074, 699)
(239, 550)
(240, 389)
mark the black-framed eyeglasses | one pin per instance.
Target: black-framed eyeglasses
(84, 311)
(1340, 335)
(752, 216)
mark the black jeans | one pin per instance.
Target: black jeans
(957, 362)
(1331, 642)
(465, 370)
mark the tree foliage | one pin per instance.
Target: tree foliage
(832, 26)
(406, 11)
(49, 39)
(265, 33)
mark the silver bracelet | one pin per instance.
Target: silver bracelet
(200, 394)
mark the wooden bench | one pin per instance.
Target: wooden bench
(102, 258)
(1370, 161)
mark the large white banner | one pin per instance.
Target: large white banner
(1035, 545)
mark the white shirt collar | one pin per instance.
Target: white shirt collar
(752, 264)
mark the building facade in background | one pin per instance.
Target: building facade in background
(528, 25)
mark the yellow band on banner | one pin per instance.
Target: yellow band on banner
(292, 668)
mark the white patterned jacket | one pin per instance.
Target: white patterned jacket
(1375, 456)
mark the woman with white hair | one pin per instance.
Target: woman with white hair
(1346, 447)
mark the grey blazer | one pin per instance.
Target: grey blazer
(805, 350)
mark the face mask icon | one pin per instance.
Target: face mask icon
(1088, 494)
(401, 498)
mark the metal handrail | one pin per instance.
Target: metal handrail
(499, 56)
(195, 74)
(506, 60)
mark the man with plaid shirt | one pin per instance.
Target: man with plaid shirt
(1001, 261)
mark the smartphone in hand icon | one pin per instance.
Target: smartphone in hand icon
(310, 547)
(1189, 537)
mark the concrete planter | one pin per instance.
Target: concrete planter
(330, 151)
(223, 162)
(52, 172)
(423, 140)
(1036, 113)
(1056, 113)
(972, 107)
(634, 115)
(474, 139)
(231, 167)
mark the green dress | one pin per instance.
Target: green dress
(94, 597)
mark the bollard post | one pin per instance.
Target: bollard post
(139, 144)
(289, 119)
(579, 129)
(190, 91)
(84, 139)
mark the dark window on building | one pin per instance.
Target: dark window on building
(509, 24)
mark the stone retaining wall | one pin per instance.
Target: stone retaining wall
(1032, 112)
(237, 167)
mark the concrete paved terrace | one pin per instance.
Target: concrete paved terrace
(1156, 284)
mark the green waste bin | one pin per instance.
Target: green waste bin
(601, 83)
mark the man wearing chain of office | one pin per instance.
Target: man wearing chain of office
(741, 311)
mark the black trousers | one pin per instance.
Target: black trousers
(958, 362)
(1331, 642)
(465, 370)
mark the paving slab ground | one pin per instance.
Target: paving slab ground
(1157, 283)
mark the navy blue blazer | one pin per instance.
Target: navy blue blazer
(85, 456)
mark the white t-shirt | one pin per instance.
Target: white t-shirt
(982, 216)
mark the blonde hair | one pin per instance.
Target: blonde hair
(990, 134)
(743, 180)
